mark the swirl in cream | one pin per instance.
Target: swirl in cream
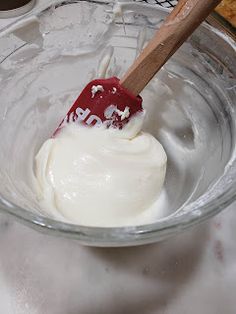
(99, 177)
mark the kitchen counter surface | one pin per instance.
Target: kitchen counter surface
(194, 272)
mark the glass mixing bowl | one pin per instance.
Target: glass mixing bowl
(49, 55)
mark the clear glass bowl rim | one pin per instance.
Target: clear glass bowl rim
(119, 236)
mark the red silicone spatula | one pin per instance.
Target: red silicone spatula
(112, 102)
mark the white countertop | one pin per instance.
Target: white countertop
(194, 272)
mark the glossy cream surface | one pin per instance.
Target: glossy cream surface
(95, 176)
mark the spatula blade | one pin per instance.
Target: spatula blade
(103, 102)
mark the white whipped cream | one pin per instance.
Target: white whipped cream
(95, 89)
(99, 177)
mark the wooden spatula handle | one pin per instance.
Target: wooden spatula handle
(178, 26)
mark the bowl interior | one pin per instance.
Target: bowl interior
(47, 58)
